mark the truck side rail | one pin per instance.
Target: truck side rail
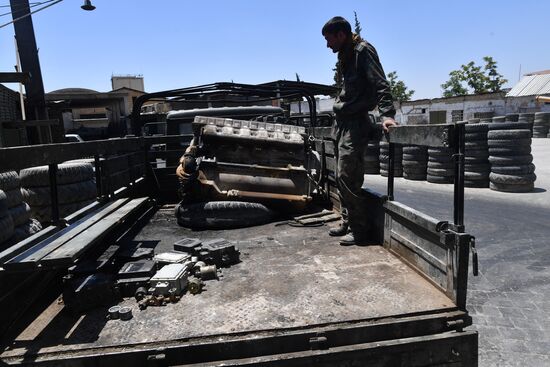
(438, 250)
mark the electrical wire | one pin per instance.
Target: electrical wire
(32, 12)
(23, 6)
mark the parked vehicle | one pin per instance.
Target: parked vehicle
(291, 297)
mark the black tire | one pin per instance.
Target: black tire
(222, 215)
(479, 168)
(449, 172)
(6, 228)
(27, 229)
(511, 150)
(67, 193)
(477, 136)
(511, 161)
(14, 197)
(470, 128)
(9, 180)
(476, 160)
(415, 170)
(385, 167)
(3, 204)
(514, 170)
(512, 188)
(415, 157)
(512, 179)
(476, 176)
(67, 173)
(478, 153)
(441, 165)
(439, 179)
(396, 173)
(510, 126)
(475, 144)
(416, 150)
(480, 184)
(414, 177)
(492, 143)
(43, 213)
(20, 214)
(433, 152)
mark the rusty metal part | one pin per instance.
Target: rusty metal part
(140, 293)
(195, 285)
(125, 313)
(114, 312)
(207, 272)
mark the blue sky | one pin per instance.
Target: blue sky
(183, 43)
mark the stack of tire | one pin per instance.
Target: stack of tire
(527, 118)
(510, 156)
(440, 166)
(385, 157)
(17, 211)
(372, 163)
(512, 117)
(541, 124)
(476, 157)
(76, 188)
(498, 119)
(415, 162)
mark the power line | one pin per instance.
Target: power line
(32, 12)
(23, 6)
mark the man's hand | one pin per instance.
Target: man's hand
(388, 121)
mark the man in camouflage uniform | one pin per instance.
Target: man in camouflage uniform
(364, 88)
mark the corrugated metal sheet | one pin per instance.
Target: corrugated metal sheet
(531, 85)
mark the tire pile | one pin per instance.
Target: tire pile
(541, 125)
(512, 117)
(498, 119)
(527, 118)
(441, 167)
(16, 223)
(510, 156)
(372, 163)
(385, 156)
(415, 162)
(476, 157)
(76, 188)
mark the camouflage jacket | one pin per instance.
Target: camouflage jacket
(365, 86)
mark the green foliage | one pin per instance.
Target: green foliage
(399, 90)
(338, 80)
(358, 28)
(478, 79)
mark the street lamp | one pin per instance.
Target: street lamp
(88, 5)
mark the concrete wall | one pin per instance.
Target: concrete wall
(130, 81)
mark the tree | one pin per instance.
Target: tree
(358, 28)
(399, 90)
(338, 79)
(478, 79)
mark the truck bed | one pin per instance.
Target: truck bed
(288, 278)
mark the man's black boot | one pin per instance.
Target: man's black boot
(341, 230)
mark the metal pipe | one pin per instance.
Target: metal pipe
(391, 165)
(459, 148)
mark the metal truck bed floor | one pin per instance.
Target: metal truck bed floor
(288, 278)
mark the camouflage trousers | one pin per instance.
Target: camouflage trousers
(352, 139)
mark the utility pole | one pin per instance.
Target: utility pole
(28, 53)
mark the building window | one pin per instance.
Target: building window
(483, 115)
(438, 117)
(457, 115)
(423, 110)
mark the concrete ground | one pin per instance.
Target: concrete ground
(510, 299)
